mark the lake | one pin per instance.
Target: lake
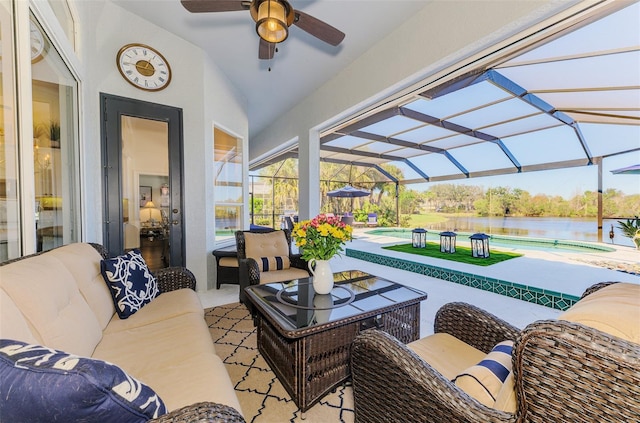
(536, 227)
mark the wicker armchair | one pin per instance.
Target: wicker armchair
(249, 271)
(563, 372)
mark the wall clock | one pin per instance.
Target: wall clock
(39, 44)
(143, 67)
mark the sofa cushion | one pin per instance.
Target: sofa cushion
(131, 283)
(612, 309)
(13, 325)
(445, 353)
(266, 264)
(484, 380)
(198, 377)
(39, 384)
(165, 342)
(45, 291)
(166, 306)
(83, 262)
(269, 244)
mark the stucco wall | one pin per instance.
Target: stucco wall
(198, 87)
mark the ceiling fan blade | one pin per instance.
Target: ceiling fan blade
(266, 50)
(318, 28)
(199, 6)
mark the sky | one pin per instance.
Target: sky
(564, 182)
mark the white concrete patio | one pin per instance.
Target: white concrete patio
(562, 272)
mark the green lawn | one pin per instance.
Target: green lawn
(462, 254)
(422, 220)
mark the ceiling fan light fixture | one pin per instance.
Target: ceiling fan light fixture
(271, 22)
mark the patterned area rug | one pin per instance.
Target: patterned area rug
(262, 397)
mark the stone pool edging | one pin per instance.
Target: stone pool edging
(543, 297)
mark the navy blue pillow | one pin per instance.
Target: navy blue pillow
(131, 283)
(39, 384)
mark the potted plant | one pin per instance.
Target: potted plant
(631, 229)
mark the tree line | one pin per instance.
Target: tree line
(500, 201)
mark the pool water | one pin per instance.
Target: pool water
(540, 244)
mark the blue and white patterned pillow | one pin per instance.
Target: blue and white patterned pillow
(131, 283)
(40, 384)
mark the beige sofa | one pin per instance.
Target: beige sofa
(59, 299)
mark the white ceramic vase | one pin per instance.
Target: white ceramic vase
(322, 305)
(322, 276)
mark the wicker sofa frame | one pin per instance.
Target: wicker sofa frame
(169, 279)
(560, 369)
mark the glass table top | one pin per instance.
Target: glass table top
(295, 305)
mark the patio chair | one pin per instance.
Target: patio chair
(372, 219)
(265, 257)
(347, 220)
(581, 367)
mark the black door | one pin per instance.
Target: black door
(142, 150)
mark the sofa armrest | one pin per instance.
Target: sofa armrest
(298, 262)
(173, 278)
(473, 326)
(392, 384)
(200, 413)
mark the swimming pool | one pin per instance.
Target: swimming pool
(505, 242)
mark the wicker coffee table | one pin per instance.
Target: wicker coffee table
(306, 338)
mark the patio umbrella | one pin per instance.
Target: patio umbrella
(629, 170)
(348, 191)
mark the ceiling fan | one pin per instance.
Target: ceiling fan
(273, 19)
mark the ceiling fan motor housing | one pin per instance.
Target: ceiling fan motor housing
(273, 19)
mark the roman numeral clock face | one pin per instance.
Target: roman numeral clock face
(144, 67)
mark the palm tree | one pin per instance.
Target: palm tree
(631, 229)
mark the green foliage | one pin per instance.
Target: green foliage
(631, 229)
(258, 205)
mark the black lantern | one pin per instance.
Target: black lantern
(419, 238)
(479, 245)
(448, 242)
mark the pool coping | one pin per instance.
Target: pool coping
(543, 297)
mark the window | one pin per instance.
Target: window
(39, 187)
(9, 205)
(55, 156)
(229, 204)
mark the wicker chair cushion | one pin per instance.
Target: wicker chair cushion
(283, 275)
(229, 262)
(266, 264)
(38, 383)
(506, 399)
(445, 353)
(484, 380)
(270, 244)
(613, 309)
(130, 281)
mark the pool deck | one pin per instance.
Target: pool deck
(565, 272)
(568, 273)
